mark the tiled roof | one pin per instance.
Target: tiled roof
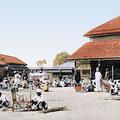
(10, 60)
(110, 27)
(98, 49)
(2, 63)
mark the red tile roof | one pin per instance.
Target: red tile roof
(5, 59)
(110, 27)
(2, 63)
(98, 49)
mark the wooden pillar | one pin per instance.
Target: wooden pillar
(112, 72)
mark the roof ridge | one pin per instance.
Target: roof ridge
(10, 59)
(109, 26)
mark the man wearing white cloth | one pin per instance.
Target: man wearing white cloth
(98, 77)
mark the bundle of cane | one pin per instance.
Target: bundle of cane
(55, 109)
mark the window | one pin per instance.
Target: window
(86, 72)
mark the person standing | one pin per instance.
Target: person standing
(107, 74)
(17, 78)
(98, 77)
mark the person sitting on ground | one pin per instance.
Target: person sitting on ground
(62, 83)
(54, 84)
(90, 87)
(114, 88)
(4, 102)
(38, 101)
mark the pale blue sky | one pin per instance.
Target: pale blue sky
(39, 29)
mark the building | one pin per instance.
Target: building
(8, 64)
(66, 70)
(102, 51)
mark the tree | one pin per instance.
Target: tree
(60, 58)
(41, 63)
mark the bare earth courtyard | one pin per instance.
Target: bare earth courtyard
(81, 106)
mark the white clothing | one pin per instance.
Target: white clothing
(98, 88)
(111, 84)
(42, 79)
(17, 79)
(54, 83)
(116, 88)
(98, 77)
(31, 74)
(3, 98)
(4, 83)
(37, 98)
(62, 84)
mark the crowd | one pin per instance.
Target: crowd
(36, 80)
(63, 82)
(37, 102)
(100, 84)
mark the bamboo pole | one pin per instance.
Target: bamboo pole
(55, 109)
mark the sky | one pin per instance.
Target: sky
(33, 30)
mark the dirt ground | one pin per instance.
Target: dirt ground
(81, 106)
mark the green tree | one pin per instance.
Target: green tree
(41, 63)
(60, 58)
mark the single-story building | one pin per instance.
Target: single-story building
(102, 51)
(66, 70)
(8, 64)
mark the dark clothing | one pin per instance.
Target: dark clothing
(77, 77)
(39, 105)
(4, 104)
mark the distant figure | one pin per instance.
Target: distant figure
(62, 83)
(92, 75)
(60, 75)
(4, 102)
(90, 87)
(114, 89)
(98, 77)
(31, 74)
(24, 84)
(17, 78)
(77, 77)
(25, 75)
(55, 82)
(107, 74)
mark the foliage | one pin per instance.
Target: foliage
(60, 58)
(41, 62)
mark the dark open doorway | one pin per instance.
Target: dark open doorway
(113, 67)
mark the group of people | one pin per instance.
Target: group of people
(99, 83)
(36, 103)
(37, 78)
(63, 82)
(8, 82)
(89, 84)
(34, 78)
(112, 86)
